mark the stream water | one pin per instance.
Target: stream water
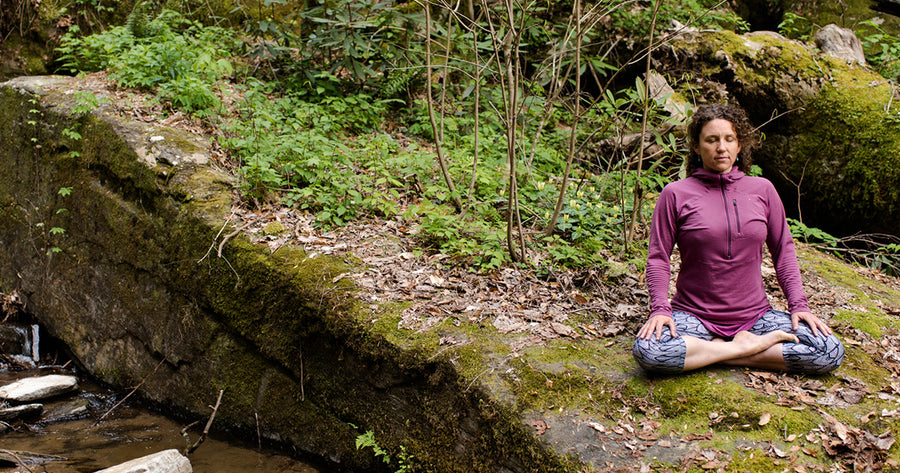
(127, 432)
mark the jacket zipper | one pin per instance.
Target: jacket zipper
(737, 216)
(727, 215)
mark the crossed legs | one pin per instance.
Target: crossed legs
(770, 344)
(744, 349)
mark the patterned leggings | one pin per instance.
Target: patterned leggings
(813, 355)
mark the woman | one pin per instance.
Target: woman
(720, 218)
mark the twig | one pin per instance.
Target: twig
(438, 144)
(573, 137)
(302, 392)
(212, 416)
(776, 116)
(13, 454)
(213, 244)
(258, 437)
(132, 392)
(797, 185)
(139, 384)
(637, 203)
(186, 435)
(229, 236)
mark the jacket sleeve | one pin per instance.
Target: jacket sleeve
(784, 256)
(663, 230)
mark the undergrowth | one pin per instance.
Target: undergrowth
(329, 117)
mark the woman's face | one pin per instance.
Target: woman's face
(718, 146)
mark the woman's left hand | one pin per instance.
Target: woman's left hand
(815, 323)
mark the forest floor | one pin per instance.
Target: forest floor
(537, 311)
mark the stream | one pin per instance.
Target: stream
(129, 431)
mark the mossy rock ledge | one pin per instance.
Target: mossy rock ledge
(145, 288)
(140, 288)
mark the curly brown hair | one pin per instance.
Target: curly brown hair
(747, 135)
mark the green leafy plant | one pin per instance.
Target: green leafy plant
(403, 459)
(795, 26)
(357, 38)
(882, 50)
(809, 235)
(48, 234)
(180, 59)
(300, 153)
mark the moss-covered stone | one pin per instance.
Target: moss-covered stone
(142, 295)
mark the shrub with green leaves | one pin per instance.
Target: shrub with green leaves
(178, 58)
(882, 50)
(302, 154)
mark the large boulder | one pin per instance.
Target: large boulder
(151, 285)
(832, 133)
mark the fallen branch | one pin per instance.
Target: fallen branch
(200, 440)
(129, 394)
(16, 457)
(18, 460)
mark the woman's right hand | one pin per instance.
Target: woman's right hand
(655, 325)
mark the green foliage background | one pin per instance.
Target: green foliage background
(322, 107)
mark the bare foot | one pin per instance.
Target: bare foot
(753, 344)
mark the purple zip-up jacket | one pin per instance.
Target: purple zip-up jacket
(720, 222)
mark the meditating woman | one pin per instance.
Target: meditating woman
(721, 218)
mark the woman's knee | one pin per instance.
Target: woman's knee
(824, 356)
(666, 356)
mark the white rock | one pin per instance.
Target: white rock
(841, 43)
(166, 461)
(38, 387)
(18, 412)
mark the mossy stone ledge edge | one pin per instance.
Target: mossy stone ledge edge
(135, 286)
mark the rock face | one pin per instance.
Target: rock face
(167, 461)
(840, 43)
(39, 387)
(831, 128)
(140, 294)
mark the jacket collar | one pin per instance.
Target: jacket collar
(709, 177)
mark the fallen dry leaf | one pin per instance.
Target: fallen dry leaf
(539, 426)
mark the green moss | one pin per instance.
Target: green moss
(847, 13)
(867, 296)
(702, 400)
(274, 229)
(754, 461)
(860, 365)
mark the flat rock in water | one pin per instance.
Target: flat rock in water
(70, 410)
(16, 457)
(38, 387)
(166, 461)
(18, 412)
